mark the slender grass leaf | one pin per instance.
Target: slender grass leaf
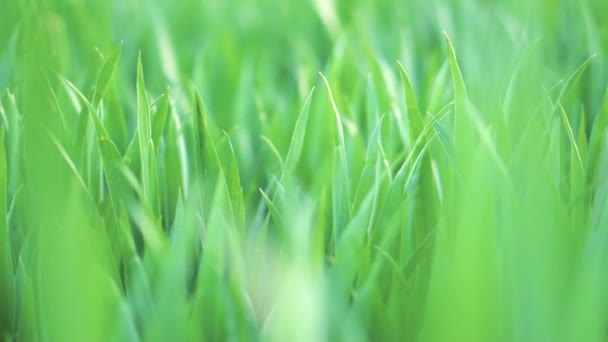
(160, 119)
(461, 102)
(106, 75)
(297, 138)
(597, 141)
(274, 212)
(234, 186)
(144, 131)
(274, 151)
(339, 127)
(7, 285)
(571, 137)
(415, 120)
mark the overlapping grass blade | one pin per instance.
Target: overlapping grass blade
(7, 285)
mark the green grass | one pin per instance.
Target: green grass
(425, 170)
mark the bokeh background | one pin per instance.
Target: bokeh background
(495, 230)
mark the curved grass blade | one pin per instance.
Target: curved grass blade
(462, 129)
(112, 165)
(106, 75)
(274, 151)
(341, 142)
(426, 199)
(297, 138)
(275, 213)
(572, 81)
(103, 82)
(571, 137)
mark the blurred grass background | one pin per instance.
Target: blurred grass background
(303, 170)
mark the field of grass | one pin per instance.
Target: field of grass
(303, 170)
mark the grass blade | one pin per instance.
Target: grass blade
(7, 285)
(144, 132)
(461, 122)
(297, 138)
(160, 120)
(106, 75)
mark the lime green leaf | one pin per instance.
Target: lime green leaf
(160, 119)
(571, 137)
(596, 141)
(144, 131)
(112, 166)
(7, 285)
(415, 120)
(297, 138)
(461, 102)
(106, 75)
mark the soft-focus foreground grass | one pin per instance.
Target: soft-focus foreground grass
(303, 170)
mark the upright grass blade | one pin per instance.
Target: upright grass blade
(207, 160)
(139, 294)
(426, 200)
(370, 175)
(341, 145)
(415, 120)
(350, 246)
(149, 227)
(144, 131)
(462, 129)
(104, 80)
(204, 137)
(7, 57)
(13, 142)
(340, 197)
(212, 268)
(297, 138)
(7, 284)
(112, 165)
(106, 75)
(115, 118)
(160, 119)
(436, 93)
(578, 194)
(596, 142)
(233, 179)
(109, 154)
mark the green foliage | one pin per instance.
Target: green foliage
(446, 180)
